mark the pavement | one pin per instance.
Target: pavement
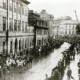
(74, 68)
(40, 68)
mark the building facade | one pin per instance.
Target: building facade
(40, 29)
(14, 26)
(49, 18)
(59, 26)
(68, 28)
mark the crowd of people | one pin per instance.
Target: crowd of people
(17, 64)
(68, 56)
(13, 62)
(46, 49)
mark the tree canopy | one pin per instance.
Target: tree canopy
(78, 28)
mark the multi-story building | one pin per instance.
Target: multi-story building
(49, 18)
(40, 29)
(59, 26)
(14, 26)
(67, 28)
(55, 28)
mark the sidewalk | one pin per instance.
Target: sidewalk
(74, 68)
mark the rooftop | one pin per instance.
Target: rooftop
(25, 1)
(70, 22)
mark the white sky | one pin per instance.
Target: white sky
(57, 7)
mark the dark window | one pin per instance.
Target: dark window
(16, 44)
(23, 26)
(15, 25)
(19, 25)
(4, 45)
(4, 24)
(26, 26)
(22, 43)
(69, 32)
(10, 25)
(11, 47)
(65, 32)
(19, 44)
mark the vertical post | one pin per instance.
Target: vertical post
(7, 26)
(57, 32)
(34, 36)
(12, 15)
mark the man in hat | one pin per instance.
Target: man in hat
(69, 74)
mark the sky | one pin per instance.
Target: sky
(58, 8)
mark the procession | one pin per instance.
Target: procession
(39, 40)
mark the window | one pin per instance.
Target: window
(10, 25)
(4, 24)
(45, 32)
(15, 25)
(4, 47)
(73, 32)
(26, 12)
(4, 4)
(23, 26)
(39, 31)
(10, 5)
(15, 6)
(26, 26)
(65, 32)
(19, 8)
(23, 10)
(23, 43)
(16, 45)
(19, 44)
(19, 25)
(38, 42)
(11, 47)
(69, 32)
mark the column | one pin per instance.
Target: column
(17, 15)
(13, 14)
(7, 26)
(21, 15)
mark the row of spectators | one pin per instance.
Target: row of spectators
(9, 62)
(68, 55)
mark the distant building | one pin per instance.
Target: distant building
(67, 28)
(49, 18)
(40, 29)
(63, 26)
(17, 30)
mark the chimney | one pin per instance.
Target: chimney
(43, 11)
(30, 11)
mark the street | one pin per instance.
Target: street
(74, 67)
(40, 68)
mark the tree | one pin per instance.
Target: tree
(78, 29)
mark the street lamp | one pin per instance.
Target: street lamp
(7, 26)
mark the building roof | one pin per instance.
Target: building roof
(44, 15)
(69, 22)
(25, 1)
(63, 18)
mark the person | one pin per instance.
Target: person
(69, 74)
(40, 51)
(46, 77)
